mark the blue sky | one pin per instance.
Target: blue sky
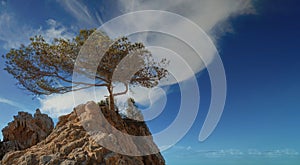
(258, 42)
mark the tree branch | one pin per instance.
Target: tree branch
(122, 93)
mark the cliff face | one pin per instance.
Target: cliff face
(70, 143)
(25, 131)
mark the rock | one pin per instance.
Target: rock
(68, 162)
(45, 159)
(25, 131)
(8, 146)
(132, 112)
(70, 143)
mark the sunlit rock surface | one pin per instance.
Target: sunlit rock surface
(25, 131)
(70, 142)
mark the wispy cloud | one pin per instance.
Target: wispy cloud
(222, 153)
(55, 30)
(184, 151)
(252, 152)
(11, 103)
(273, 153)
(13, 34)
(213, 17)
(205, 13)
(82, 13)
(9, 32)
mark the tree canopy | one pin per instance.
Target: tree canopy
(45, 68)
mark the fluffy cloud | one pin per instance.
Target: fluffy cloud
(61, 104)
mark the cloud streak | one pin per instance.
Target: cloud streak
(11, 103)
(184, 151)
(82, 13)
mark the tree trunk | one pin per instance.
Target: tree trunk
(111, 98)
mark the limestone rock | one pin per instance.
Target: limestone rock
(25, 131)
(71, 142)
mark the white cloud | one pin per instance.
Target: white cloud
(55, 30)
(212, 16)
(251, 152)
(11, 103)
(9, 33)
(223, 153)
(274, 153)
(13, 33)
(206, 13)
(81, 12)
(184, 151)
(60, 104)
(56, 105)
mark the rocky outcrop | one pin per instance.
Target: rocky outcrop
(25, 131)
(72, 142)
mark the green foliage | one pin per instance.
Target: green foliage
(46, 68)
(103, 103)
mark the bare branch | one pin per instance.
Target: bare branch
(122, 93)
